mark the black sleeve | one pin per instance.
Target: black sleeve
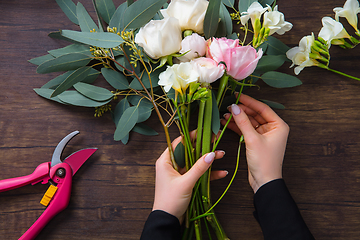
(278, 214)
(161, 225)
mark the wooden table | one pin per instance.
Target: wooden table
(113, 192)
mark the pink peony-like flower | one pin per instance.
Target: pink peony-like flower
(240, 61)
(209, 71)
(195, 45)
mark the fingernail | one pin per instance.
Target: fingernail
(210, 157)
(235, 109)
(227, 173)
(221, 151)
(226, 115)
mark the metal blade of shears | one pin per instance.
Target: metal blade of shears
(60, 148)
(77, 159)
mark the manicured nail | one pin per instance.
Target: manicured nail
(235, 109)
(227, 173)
(226, 115)
(210, 157)
(221, 151)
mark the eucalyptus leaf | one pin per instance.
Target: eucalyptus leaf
(225, 26)
(137, 100)
(211, 19)
(126, 123)
(215, 118)
(69, 8)
(125, 139)
(276, 47)
(273, 104)
(245, 4)
(91, 77)
(154, 76)
(75, 77)
(85, 21)
(46, 93)
(57, 35)
(65, 62)
(179, 154)
(53, 83)
(280, 80)
(98, 39)
(120, 109)
(144, 114)
(140, 12)
(93, 92)
(106, 9)
(144, 129)
(264, 2)
(129, 2)
(229, 3)
(77, 99)
(73, 48)
(270, 63)
(115, 79)
(41, 59)
(115, 20)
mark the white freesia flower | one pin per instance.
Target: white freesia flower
(178, 77)
(332, 30)
(190, 13)
(160, 38)
(349, 11)
(300, 55)
(254, 12)
(195, 45)
(209, 71)
(275, 21)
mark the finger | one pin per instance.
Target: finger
(261, 108)
(232, 126)
(253, 121)
(218, 174)
(242, 121)
(253, 114)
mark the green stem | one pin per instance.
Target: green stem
(343, 74)
(222, 85)
(199, 129)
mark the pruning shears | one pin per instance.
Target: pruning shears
(58, 173)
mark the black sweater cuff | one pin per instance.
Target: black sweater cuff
(161, 225)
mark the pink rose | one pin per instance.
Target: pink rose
(240, 61)
(209, 71)
(195, 45)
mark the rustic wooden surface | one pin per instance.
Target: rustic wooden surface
(112, 193)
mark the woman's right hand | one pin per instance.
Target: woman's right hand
(265, 135)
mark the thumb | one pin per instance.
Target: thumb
(242, 121)
(199, 168)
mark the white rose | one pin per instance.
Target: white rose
(178, 77)
(254, 12)
(160, 38)
(275, 21)
(300, 55)
(349, 11)
(195, 45)
(332, 30)
(190, 13)
(209, 71)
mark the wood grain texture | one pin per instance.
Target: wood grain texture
(113, 192)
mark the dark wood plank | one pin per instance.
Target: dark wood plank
(113, 193)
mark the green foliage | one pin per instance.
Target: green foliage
(211, 20)
(276, 47)
(244, 5)
(229, 3)
(144, 129)
(93, 92)
(69, 8)
(270, 63)
(77, 99)
(85, 21)
(179, 154)
(98, 39)
(126, 123)
(73, 48)
(41, 59)
(215, 118)
(115, 20)
(106, 9)
(280, 80)
(115, 79)
(65, 62)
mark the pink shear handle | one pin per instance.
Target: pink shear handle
(41, 173)
(57, 204)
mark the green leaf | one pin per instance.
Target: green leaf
(143, 129)
(53, 83)
(137, 100)
(126, 123)
(65, 62)
(77, 99)
(73, 48)
(125, 140)
(179, 154)
(273, 104)
(229, 3)
(91, 77)
(211, 18)
(264, 2)
(115, 79)
(69, 8)
(46, 93)
(215, 118)
(75, 77)
(225, 26)
(57, 35)
(129, 2)
(244, 5)
(270, 63)
(280, 80)
(120, 109)
(93, 92)
(144, 114)
(85, 21)
(41, 59)
(106, 9)
(276, 47)
(135, 84)
(140, 12)
(116, 18)
(98, 39)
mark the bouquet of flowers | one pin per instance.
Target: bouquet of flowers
(169, 59)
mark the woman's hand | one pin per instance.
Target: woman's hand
(265, 135)
(173, 190)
